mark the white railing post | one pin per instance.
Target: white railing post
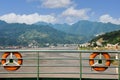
(38, 65)
(118, 66)
(80, 65)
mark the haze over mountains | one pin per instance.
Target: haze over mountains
(84, 28)
(34, 35)
(43, 34)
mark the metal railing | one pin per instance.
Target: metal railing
(60, 64)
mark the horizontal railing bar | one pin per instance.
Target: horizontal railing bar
(47, 66)
(59, 66)
(77, 73)
(63, 51)
(44, 58)
(58, 59)
(101, 73)
(62, 66)
(58, 73)
(74, 59)
(104, 66)
(73, 66)
(18, 73)
(23, 65)
(100, 59)
(41, 73)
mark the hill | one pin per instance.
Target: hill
(87, 29)
(44, 34)
(33, 35)
(110, 37)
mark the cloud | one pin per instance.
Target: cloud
(27, 19)
(107, 18)
(56, 3)
(71, 14)
(81, 13)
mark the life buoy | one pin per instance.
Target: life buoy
(6, 61)
(100, 68)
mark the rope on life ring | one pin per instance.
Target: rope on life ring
(15, 62)
(99, 68)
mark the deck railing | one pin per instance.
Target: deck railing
(61, 64)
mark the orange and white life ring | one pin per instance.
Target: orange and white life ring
(99, 68)
(15, 62)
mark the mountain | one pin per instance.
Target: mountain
(39, 35)
(42, 33)
(87, 29)
(110, 37)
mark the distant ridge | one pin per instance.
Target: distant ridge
(34, 35)
(86, 29)
(44, 34)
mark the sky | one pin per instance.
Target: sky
(59, 11)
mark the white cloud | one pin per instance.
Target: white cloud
(107, 18)
(56, 3)
(72, 15)
(81, 13)
(27, 19)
